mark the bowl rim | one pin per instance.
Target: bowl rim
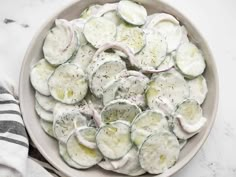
(214, 68)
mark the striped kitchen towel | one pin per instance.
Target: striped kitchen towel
(14, 143)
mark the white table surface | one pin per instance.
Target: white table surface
(216, 21)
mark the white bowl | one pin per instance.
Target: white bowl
(49, 148)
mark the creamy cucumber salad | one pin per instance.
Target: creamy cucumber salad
(120, 89)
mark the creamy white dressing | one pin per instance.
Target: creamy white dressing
(100, 69)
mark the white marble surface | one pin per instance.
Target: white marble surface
(214, 18)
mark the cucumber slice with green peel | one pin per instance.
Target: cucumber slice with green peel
(81, 154)
(98, 59)
(106, 165)
(78, 25)
(99, 31)
(159, 152)
(90, 11)
(169, 62)
(82, 106)
(65, 156)
(147, 123)
(39, 76)
(104, 73)
(154, 19)
(66, 120)
(117, 164)
(47, 127)
(166, 91)
(198, 89)
(84, 56)
(132, 166)
(184, 35)
(132, 12)
(86, 136)
(60, 43)
(113, 140)
(131, 36)
(119, 109)
(68, 84)
(189, 115)
(179, 132)
(169, 27)
(130, 85)
(172, 33)
(46, 102)
(189, 60)
(108, 7)
(42, 113)
(153, 53)
(113, 17)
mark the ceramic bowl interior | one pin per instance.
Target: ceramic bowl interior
(49, 147)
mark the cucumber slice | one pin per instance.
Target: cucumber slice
(108, 7)
(169, 62)
(60, 43)
(120, 162)
(132, 166)
(84, 56)
(119, 110)
(159, 152)
(154, 19)
(189, 115)
(179, 132)
(172, 33)
(166, 91)
(47, 127)
(78, 25)
(130, 36)
(39, 76)
(113, 17)
(43, 114)
(46, 102)
(103, 73)
(68, 84)
(98, 59)
(147, 123)
(82, 106)
(198, 89)
(169, 27)
(66, 120)
(81, 154)
(99, 31)
(189, 60)
(65, 156)
(113, 140)
(132, 12)
(153, 53)
(106, 165)
(90, 11)
(130, 85)
(86, 136)
(184, 35)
